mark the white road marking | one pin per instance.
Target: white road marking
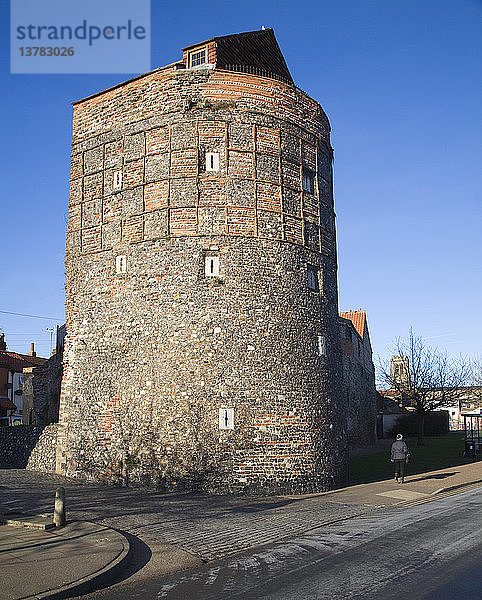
(403, 494)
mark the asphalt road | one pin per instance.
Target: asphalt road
(430, 550)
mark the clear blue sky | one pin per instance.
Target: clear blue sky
(400, 81)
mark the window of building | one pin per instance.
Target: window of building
(211, 265)
(121, 264)
(117, 183)
(312, 279)
(308, 181)
(197, 57)
(212, 161)
(321, 345)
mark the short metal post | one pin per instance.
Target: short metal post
(59, 510)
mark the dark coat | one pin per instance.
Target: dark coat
(399, 450)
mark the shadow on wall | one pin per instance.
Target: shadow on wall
(16, 445)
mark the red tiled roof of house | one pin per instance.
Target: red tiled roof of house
(358, 318)
(16, 362)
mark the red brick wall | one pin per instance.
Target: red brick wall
(260, 167)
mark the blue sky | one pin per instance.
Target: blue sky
(400, 81)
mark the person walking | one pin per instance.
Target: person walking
(399, 454)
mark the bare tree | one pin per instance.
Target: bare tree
(477, 371)
(476, 395)
(429, 379)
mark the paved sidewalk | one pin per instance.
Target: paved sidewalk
(416, 486)
(47, 564)
(178, 530)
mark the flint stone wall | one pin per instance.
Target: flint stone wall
(41, 391)
(17, 444)
(359, 385)
(42, 457)
(153, 354)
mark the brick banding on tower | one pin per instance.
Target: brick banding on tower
(171, 170)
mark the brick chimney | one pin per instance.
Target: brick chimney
(3, 343)
(32, 350)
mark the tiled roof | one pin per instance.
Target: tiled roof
(255, 52)
(16, 362)
(358, 318)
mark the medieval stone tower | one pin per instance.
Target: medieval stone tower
(203, 343)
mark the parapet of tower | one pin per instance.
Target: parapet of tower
(203, 345)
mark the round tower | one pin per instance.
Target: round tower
(202, 344)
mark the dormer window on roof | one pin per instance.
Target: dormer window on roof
(198, 57)
(255, 52)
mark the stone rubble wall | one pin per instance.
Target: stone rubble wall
(153, 354)
(42, 457)
(41, 392)
(18, 444)
(358, 387)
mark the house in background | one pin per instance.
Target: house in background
(393, 404)
(12, 365)
(358, 378)
(470, 402)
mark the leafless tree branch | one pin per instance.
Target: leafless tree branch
(427, 379)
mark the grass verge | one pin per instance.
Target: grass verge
(438, 453)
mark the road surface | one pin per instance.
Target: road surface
(430, 550)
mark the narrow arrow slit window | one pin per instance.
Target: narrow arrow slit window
(212, 161)
(121, 264)
(321, 345)
(117, 183)
(312, 278)
(226, 418)
(308, 181)
(211, 266)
